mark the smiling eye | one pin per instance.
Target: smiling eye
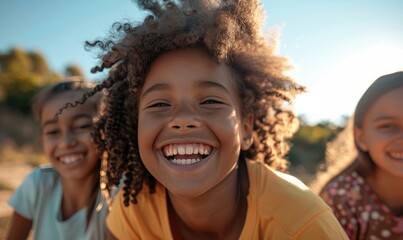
(159, 104)
(211, 101)
(83, 127)
(386, 126)
(51, 132)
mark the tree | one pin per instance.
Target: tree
(22, 74)
(73, 71)
(309, 145)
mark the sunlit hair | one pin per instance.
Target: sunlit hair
(343, 154)
(229, 32)
(47, 94)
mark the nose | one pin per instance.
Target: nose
(68, 139)
(184, 118)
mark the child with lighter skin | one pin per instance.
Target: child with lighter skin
(63, 200)
(363, 187)
(197, 123)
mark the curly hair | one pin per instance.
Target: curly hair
(230, 32)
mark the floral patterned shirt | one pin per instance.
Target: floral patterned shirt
(360, 211)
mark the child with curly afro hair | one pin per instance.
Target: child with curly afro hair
(196, 125)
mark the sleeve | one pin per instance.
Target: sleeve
(24, 198)
(341, 212)
(118, 219)
(324, 226)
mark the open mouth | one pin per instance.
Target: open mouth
(71, 159)
(186, 154)
(396, 155)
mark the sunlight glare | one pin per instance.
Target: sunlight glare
(340, 88)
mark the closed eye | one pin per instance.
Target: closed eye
(51, 132)
(211, 101)
(159, 104)
(386, 126)
(83, 127)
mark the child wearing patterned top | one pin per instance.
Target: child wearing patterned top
(197, 123)
(63, 200)
(366, 165)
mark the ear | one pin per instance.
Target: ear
(360, 139)
(247, 132)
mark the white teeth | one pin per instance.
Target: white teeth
(201, 148)
(188, 149)
(69, 159)
(185, 161)
(396, 155)
(181, 150)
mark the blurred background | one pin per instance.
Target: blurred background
(337, 49)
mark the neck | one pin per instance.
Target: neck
(226, 204)
(78, 194)
(385, 186)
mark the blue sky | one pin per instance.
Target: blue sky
(337, 47)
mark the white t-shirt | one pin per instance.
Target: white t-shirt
(39, 198)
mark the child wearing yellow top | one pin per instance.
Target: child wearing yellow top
(197, 122)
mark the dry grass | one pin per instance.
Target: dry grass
(9, 152)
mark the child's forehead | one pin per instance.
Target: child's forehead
(59, 101)
(183, 54)
(188, 65)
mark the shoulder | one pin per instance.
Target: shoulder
(344, 188)
(265, 180)
(32, 196)
(135, 220)
(281, 197)
(42, 175)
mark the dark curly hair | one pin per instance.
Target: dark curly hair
(229, 31)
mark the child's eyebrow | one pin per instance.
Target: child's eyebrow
(383, 118)
(155, 87)
(211, 84)
(49, 122)
(54, 121)
(201, 84)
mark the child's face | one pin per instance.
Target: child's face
(67, 141)
(381, 133)
(190, 129)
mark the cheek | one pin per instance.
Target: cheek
(229, 131)
(147, 131)
(89, 141)
(47, 146)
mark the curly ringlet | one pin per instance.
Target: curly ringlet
(230, 33)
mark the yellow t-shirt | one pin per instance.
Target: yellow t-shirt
(279, 207)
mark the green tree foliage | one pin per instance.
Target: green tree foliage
(22, 74)
(74, 71)
(309, 145)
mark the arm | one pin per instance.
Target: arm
(342, 213)
(324, 226)
(109, 235)
(19, 227)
